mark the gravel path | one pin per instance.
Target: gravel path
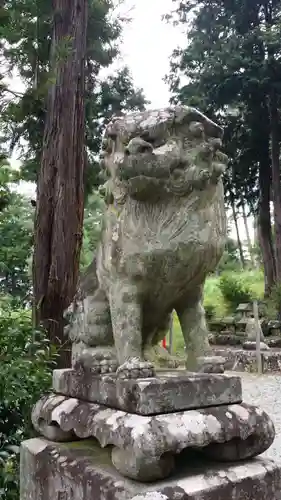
(265, 391)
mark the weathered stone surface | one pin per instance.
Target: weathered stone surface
(274, 342)
(240, 360)
(164, 230)
(227, 339)
(153, 439)
(210, 364)
(251, 330)
(274, 327)
(241, 325)
(216, 325)
(251, 345)
(271, 361)
(244, 309)
(170, 391)
(82, 471)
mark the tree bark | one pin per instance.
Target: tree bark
(264, 228)
(60, 189)
(240, 248)
(249, 243)
(276, 184)
(275, 146)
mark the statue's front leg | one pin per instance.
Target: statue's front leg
(127, 331)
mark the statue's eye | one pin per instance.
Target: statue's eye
(145, 148)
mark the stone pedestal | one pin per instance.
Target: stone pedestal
(144, 447)
(83, 471)
(119, 438)
(148, 422)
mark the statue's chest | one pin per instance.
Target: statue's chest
(168, 244)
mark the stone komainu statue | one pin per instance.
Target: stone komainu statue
(164, 230)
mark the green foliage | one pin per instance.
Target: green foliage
(213, 297)
(26, 361)
(243, 93)
(92, 228)
(27, 33)
(7, 176)
(16, 229)
(215, 303)
(210, 310)
(234, 291)
(230, 259)
(272, 303)
(235, 90)
(251, 281)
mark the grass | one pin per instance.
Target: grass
(212, 295)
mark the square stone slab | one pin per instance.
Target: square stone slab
(170, 391)
(82, 471)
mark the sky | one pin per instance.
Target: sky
(147, 44)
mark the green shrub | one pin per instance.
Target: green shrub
(26, 363)
(210, 310)
(273, 303)
(213, 299)
(235, 291)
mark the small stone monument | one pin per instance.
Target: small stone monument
(244, 311)
(251, 331)
(115, 426)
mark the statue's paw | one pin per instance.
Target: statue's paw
(135, 368)
(104, 366)
(95, 359)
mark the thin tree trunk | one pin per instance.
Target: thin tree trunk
(240, 248)
(275, 146)
(249, 243)
(36, 58)
(60, 199)
(276, 184)
(264, 228)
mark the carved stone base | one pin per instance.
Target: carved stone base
(144, 447)
(82, 471)
(169, 391)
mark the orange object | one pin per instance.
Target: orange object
(164, 343)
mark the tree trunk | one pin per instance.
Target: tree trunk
(276, 184)
(249, 243)
(275, 146)
(60, 190)
(240, 248)
(264, 228)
